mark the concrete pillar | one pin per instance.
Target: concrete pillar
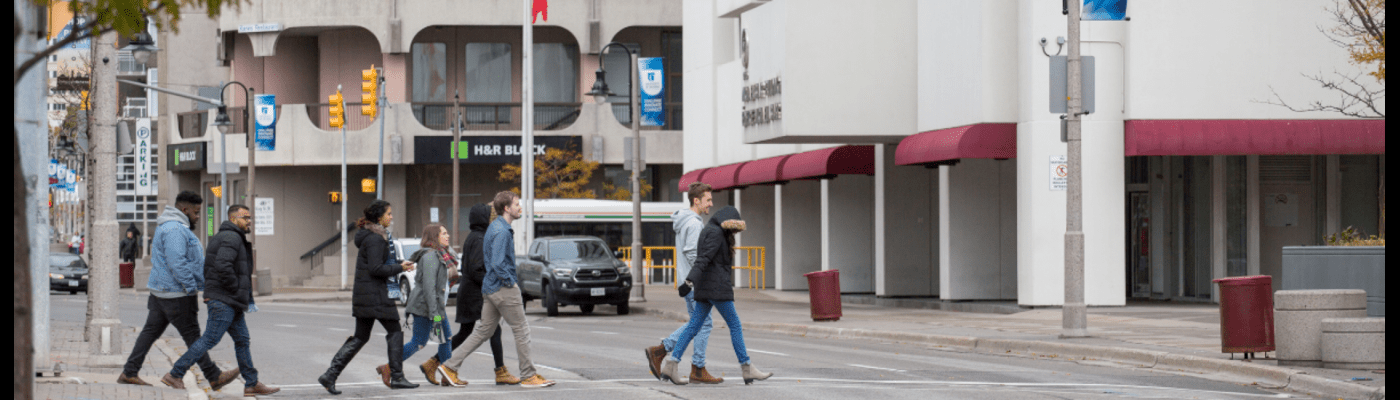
(1217, 223)
(848, 227)
(799, 233)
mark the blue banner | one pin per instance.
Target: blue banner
(265, 116)
(653, 78)
(1105, 10)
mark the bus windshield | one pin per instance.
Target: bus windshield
(577, 250)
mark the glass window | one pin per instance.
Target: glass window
(556, 81)
(489, 80)
(577, 250)
(429, 72)
(618, 65)
(671, 50)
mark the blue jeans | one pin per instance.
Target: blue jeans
(702, 339)
(697, 318)
(222, 319)
(422, 329)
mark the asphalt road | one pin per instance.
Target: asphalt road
(600, 356)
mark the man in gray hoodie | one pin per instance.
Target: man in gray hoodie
(177, 277)
(688, 225)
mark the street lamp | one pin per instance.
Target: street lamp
(142, 47)
(600, 93)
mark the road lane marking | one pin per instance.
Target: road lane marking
(1027, 384)
(549, 367)
(605, 333)
(339, 329)
(870, 367)
(542, 327)
(285, 326)
(768, 352)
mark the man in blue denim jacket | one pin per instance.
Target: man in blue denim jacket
(177, 277)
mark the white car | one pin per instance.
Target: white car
(402, 285)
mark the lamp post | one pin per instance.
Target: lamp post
(600, 94)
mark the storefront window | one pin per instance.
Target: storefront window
(555, 81)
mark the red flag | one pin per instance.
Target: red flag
(539, 7)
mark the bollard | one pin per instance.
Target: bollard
(1353, 343)
(1298, 316)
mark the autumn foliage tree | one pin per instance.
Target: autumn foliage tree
(1359, 27)
(559, 174)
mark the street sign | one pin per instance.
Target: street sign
(145, 178)
(263, 225)
(1059, 173)
(260, 28)
(1059, 84)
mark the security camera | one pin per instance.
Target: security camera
(1042, 42)
(1060, 40)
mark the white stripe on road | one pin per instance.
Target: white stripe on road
(549, 367)
(768, 352)
(870, 367)
(285, 326)
(339, 329)
(605, 333)
(541, 327)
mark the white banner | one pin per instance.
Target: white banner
(145, 177)
(263, 214)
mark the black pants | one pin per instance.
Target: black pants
(183, 313)
(496, 349)
(364, 325)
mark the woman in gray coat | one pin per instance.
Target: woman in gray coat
(428, 304)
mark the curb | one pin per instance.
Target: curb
(192, 387)
(1264, 376)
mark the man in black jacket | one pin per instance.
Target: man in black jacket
(228, 293)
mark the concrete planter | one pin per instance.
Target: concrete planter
(1337, 267)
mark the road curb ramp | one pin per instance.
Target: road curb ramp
(1265, 376)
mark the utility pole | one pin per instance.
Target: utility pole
(1074, 316)
(527, 113)
(456, 162)
(104, 329)
(250, 128)
(638, 260)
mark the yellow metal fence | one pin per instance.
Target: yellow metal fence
(751, 259)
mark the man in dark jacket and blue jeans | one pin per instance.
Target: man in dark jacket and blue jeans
(177, 276)
(228, 293)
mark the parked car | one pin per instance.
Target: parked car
(402, 284)
(67, 273)
(574, 270)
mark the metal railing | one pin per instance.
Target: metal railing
(127, 65)
(495, 116)
(752, 259)
(135, 107)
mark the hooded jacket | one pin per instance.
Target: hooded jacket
(228, 264)
(712, 274)
(177, 258)
(430, 299)
(370, 298)
(687, 225)
(473, 265)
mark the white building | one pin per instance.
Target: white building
(910, 144)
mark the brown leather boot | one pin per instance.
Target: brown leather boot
(259, 389)
(170, 381)
(503, 377)
(223, 379)
(700, 375)
(654, 356)
(430, 370)
(383, 371)
(131, 380)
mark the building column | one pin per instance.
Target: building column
(1252, 207)
(1333, 223)
(826, 224)
(881, 286)
(1217, 223)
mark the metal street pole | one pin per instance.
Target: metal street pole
(638, 273)
(456, 162)
(344, 208)
(104, 328)
(250, 128)
(1074, 313)
(379, 179)
(527, 137)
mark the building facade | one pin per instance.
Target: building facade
(445, 63)
(925, 130)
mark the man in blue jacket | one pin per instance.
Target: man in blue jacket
(502, 293)
(177, 277)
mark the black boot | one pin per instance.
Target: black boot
(396, 379)
(342, 357)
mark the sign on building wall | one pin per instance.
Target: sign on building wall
(1059, 173)
(653, 77)
(486, 149)
(145, 174)
(265, 116)
(263, 212)
(185, 157)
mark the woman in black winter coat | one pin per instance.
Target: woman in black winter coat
(469, 294)
(370, 301)
(711, 277)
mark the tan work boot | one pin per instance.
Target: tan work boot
(170, 381)
(503, 377)
(223, 379)
(536, 381)
(700, 375)
(430, 370)
(131, 380)
(383, 371)
(259, 389)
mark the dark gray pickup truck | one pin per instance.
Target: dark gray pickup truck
(574, 270)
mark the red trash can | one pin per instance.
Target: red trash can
(128, 274)
(1246, 314)
(825, 289)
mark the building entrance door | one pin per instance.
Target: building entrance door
(1139, 249)
(1288, 207)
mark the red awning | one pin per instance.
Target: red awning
(972, 141)
(766, 170)
(722, 177)
(1253, 137)
(690, 177)
(832, 161)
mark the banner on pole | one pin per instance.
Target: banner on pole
(1105, 10)
(653, 89)
(145, 180)
(266, 119)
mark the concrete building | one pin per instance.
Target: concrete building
(911, 145)
(434, 54)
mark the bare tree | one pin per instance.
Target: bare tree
(1359, 28)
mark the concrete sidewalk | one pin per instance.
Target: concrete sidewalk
(1173, 337)
(87, 376)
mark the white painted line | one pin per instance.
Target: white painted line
(339, 329)
(605, 333)
(542, 327)
(870, 367)
(1036, 384)
(768, 352)
(548, 367)
(337, 384)
(285, 326)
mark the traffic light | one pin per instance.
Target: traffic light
(370, 87)
(337, 111)
(335, 197)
